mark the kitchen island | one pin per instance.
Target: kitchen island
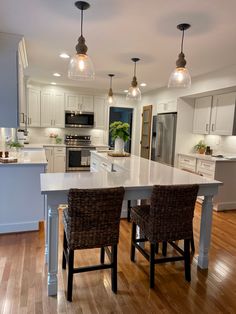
(138, 176)
(22, 205)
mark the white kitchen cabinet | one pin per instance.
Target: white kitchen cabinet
(187, 163)
(215, 115)
(52, 109)
(170, 106)
(49, 157)
(76, 102)
(56, 157)
(202, 115)
(33, 107)
(99, 112)
(206, 168)
(223, 114)
(59, 159)
(13, 60)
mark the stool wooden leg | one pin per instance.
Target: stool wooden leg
(102, 255)
(70, 275)
(133, 239)
(128, 210)
(152, 265)
(63, 251)
(192, 244)
(164, 248)
(114, 268)
(187, 265)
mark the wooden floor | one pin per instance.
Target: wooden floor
(23, 278)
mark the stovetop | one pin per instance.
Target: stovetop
(78, 140)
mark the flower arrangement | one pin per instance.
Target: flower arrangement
(53, 135)
(120, 129)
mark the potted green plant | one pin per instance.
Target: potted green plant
(120, 134)
(200, 147)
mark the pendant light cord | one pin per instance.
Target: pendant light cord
(135, 68)
(182, 41)
(110, 81)
(81, 25)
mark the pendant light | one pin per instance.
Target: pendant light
(81, 66)
(134, 92)
(180, 77)
(111, 100)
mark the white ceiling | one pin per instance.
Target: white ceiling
(116, 30)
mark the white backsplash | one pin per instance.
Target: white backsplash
(221, 144)
(42, 135)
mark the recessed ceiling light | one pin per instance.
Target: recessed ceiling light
(56, 74)
(125, 91)
(64, 55)
(53, 83)
(143, 84)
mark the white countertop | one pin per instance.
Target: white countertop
(29, 157)
(137, 172)
(41, 145)
(209, 157)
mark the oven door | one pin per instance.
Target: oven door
(77, 159)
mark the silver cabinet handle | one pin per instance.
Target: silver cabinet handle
(22, 117)
(212, 127)
(207, 127)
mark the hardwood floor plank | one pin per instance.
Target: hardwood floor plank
(23, 277)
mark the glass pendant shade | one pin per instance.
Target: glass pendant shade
(134, 93)
(180, 77)
(81, 68)
(111, 100)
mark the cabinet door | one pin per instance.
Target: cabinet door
(87, 104)
(59, 160)
(202, 114)
(33, 107)
(47, 109)
(59, 113)
(222, 117)
(21, 94)
(71, 102)
(99, 112)
(49, 157)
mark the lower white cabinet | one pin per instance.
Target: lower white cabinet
(56, 157)
(221, 170)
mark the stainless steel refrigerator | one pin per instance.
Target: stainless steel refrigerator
(163, 138)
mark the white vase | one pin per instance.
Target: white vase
(119, 145)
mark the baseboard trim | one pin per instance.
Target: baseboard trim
(19, 227)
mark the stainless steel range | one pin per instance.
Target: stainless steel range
(78, 152)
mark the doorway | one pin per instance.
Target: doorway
(123, 115)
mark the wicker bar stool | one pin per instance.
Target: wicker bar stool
(168, 218)
(92, 220)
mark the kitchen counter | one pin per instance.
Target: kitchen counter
(137, 175)
(22, 205)
(209, 157)
(28, 157)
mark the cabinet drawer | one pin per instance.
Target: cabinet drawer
(187, 160)
(205, 165)
(207, 174)
(106, 166)
(185, 166)
(59, 150)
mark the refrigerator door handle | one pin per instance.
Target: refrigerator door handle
(159, 138)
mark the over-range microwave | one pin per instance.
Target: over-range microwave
(79, 119)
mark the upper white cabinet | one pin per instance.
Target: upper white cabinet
(33, 107)
(202, 115)
(13, 60)
(76, 102)
(170, 106)
(215, 115)
(99, 112)
(223, 114)
(52, 109)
